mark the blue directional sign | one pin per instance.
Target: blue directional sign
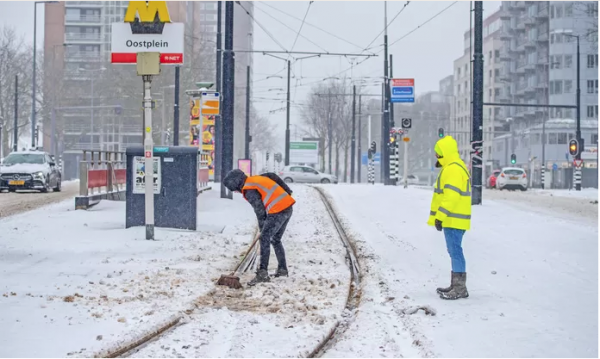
(376, 158)
(554, 167)
(402, 90)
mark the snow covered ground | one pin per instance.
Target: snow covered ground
(532, 279)
(285, 318)
(13, 203)
(587, 193)
(76, 281)
(73, 283)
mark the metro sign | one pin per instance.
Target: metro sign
(151, 31)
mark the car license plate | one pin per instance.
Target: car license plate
(514, 178)
(16, 183)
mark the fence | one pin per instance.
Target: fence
(203, 178)
(103, 176)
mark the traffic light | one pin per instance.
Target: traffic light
(440, 132)
(513, 159)
(374, 147)
(573, 147)
(392, 139)
(267, 155)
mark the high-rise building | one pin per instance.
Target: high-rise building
(540, 67)
(77, 51)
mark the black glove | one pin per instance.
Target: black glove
(438, 225)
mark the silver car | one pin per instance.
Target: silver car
(305, 174)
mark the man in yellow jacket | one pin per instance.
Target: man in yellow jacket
(451, 212)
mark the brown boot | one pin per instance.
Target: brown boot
(452, 282)
(459, 288)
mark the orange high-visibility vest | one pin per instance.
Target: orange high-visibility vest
(275, 198)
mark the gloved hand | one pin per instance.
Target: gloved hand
(438, 225)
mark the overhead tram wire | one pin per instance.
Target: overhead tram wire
(301, 25)
(262, 27)
(393, 43)
(309, 24)
(287, 26)
(386, 26)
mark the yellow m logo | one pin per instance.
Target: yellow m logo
(147, 11)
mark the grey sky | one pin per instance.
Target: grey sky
(426, 55)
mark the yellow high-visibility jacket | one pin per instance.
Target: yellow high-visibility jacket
(451, 203)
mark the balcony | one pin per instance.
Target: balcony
(82, 37)
(541, 85)
(519, 5)
(83, 56)
(83, 19)
(531, 66)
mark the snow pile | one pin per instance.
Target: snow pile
(287, 317)
(587, 193)
(74, 282)
(524, 269)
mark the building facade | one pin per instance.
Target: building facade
(77, 50)
(540, 67)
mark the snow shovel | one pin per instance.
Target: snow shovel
(232, 280)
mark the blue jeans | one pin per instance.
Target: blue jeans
(454, 244)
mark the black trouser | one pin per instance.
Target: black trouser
(273, 229)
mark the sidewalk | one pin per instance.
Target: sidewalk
(74, 281)
(533, 280)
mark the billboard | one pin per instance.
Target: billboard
(208, 140)
(304, 152)
(402, 90)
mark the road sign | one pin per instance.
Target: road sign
(578, 163)
(406, 123)
(393, 131)
(406, 139)
(211, 103)
(554, 167)
(147, 34)
(402, 90)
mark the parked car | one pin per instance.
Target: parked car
(29, 170)
(491, 181)
(305, 174)
(411, 179)
(512, 178)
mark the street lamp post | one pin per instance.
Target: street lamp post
(33, 85)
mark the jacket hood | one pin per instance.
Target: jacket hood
(447, 149)
(235, 180)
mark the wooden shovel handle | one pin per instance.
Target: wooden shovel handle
(256, 237)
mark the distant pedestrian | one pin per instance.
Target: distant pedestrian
(451, 212)
(272, 202)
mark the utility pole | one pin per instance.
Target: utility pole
(477, 140)
(16, 123)
(228, 96)
(392, 122)
(247, 135)
(353, 138)
(359, 154)
(176, 109)
(330, 139)
(287, 119)
(218, 118)
(385, 123)
(578, 104)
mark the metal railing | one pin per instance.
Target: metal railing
(70, 36)
(83, 18)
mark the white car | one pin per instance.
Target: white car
(512, 178)
(30, 170)
(305, 174)
(412, 180)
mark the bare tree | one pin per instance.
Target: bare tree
(15, 59)
(263, 137)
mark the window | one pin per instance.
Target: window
(590, 86)
(571, 136)
(592, 9)
(590, 111)
(552, 12)
(592, 61)
(496, 53)
(569, 113)
(496, 72)
(536, 139)
(490, 56)
(490, 72)
(211, 6)
(497, 91)
(595, 86)
(458, 89)
(595, 139)
(559, 11)
(556, 62)
(552, 139)
(569, 9)
(490, 95)
(568, 86)
(556, 87)
(568, 61)
(211, 17)
(562, 138)
(296, 169)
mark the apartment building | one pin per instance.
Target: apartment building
(77, 46)
(461, 123)
(540, 61)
